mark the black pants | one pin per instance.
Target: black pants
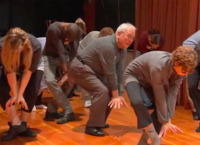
(144, 119)
(193, 81)
(30, 93)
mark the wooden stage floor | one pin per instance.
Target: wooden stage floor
(122, 129)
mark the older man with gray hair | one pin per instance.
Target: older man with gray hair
(98, 69)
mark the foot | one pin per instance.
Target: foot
(195, 115)
(66, 118)
(143, 139)
(13, 132)
(87, 103)
(41, 106)
(105, 126)
(28, 132)
(95, 131)
(52, 116)
(34, 108)
(198, 129)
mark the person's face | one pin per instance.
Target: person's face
(153, 46)
(125, 39)
(182, 71)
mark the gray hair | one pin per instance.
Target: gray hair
(124, 26)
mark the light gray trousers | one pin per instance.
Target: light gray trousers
(51, 65)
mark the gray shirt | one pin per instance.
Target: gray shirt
(88, 39)
(194, 42)
(106, 60)
(155, 69)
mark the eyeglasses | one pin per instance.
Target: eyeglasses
(129, 36)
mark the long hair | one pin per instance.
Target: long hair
(17, 50)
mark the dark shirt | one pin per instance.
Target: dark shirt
(37, 52)
(143, 43)
(55, 38)
(107, 60)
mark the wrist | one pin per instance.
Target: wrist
(64, 72)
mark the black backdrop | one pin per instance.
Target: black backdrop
(31, 15)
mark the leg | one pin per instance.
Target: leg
(30, 96)
(194, 92)
(143, 117)
(59, 99)
(87, 98)
(86, 78)
(13, 118)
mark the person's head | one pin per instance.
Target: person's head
(154, 38)
(125, 35)
(81, 25)
(184, 59)
(106, 31)
(72, 32)
(17, 50)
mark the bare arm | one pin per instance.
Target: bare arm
(23, 84)
(12, 81)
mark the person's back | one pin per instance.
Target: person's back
(88, 39)
(150, 66)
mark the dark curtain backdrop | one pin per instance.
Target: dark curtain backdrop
(176, 20)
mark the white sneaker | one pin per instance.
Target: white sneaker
(87, 103)
(34, 108)
(41, 106)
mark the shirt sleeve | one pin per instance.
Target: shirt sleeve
(172, 96)
(193, 40)
(160, 96)
(120, 69)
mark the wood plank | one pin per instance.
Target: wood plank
(122, 129)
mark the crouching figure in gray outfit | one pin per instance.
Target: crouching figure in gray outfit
(98, 69)
(160, 74)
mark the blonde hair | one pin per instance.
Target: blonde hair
(17, 50)
(81, 24)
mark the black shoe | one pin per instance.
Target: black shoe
(66, 118)
(106, 126)
(198, 129)
(95, 131)
(28, 132)
(13, 132)
(52, 116)
(195, 115)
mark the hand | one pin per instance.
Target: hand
(10, 102)
(63, 79)
(171, 127)
(116, 102)
(20, 100)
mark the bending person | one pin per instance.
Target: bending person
(98, 69)
(160, 74)
(20, 80)
(56, 58)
